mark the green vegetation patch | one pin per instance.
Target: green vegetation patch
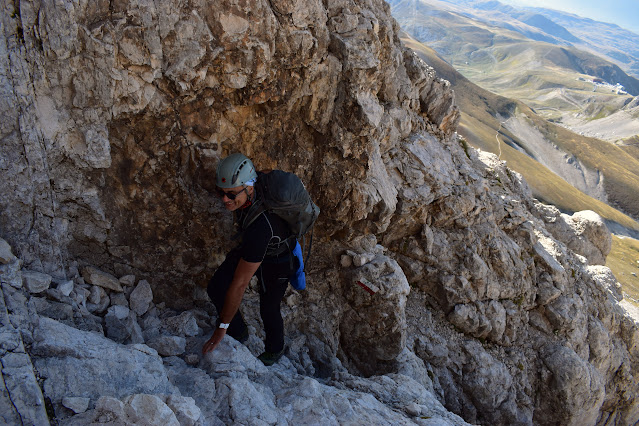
(623, 260)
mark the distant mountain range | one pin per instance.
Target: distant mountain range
(608, 41)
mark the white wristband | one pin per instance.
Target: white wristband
(223, 325)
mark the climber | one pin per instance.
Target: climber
(263, 251)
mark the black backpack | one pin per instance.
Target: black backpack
(283, 193)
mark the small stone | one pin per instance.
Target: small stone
(108, 404)
(362, 259)
(120, 312)
(137, 336)
(81, 295)
(118, 324)
(192, 359)
(346, 261)
(96, 295)
(35, 282)
(6, 256)
(76, 404)
(127, 280)
(66, 287)
(102, 279)
(141, 297)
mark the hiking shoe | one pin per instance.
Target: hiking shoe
(270, 358)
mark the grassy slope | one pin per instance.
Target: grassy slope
(619, 168)
(480, 127)
(632, 146)
(624, 261)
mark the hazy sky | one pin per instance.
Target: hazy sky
(624, 13)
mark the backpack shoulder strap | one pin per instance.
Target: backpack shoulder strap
(251, 216)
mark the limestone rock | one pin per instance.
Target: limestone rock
(99, 365)
(149, 408)
(36, 282)
(6, 256)
(181, 325)
(20, 394)
(577, 388)
(141, 297)
(66, 287)
(186, 412)
(118, 323)
(604, 278)
(133, 409)
(168, 345)
(374, 328)
(76, 404)
(127, 280)
(98, 300)
(11, 274)
(584, 232)
(233, 358)
(102, 279)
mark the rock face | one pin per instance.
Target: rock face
(437, 281)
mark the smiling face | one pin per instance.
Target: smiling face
(234, 198)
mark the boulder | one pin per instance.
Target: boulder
(149, 408)
(99, 366)
(584, 232)
(575, 387)
(373, 329)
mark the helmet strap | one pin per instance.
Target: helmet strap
(249, 198)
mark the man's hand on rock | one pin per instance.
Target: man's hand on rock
(215, 340)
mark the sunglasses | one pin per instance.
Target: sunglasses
(230, 195)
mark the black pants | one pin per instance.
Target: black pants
(273, 279)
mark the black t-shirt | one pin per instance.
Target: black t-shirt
(267, 232)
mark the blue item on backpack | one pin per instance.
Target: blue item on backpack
(298, 278)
